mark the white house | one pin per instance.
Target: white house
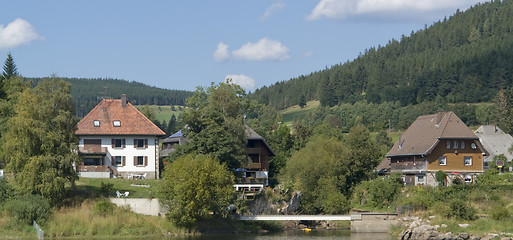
(118, 140)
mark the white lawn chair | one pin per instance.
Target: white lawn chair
(118, 194)
(143, 176)
(126, 194)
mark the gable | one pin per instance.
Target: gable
(110, 117)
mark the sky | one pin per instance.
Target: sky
(184, 44)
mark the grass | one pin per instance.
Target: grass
(162, 113)
(93, 187)
(295, 112)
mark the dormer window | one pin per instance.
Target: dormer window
(96, 123)
(116, 123)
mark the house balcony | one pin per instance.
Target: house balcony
(253, 166)
(250, 180)
(92, 150)
(94, 168)
(408, 166)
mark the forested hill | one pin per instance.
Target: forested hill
(466, 58)
(87, 93)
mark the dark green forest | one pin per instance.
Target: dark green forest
(87, 93)
(467, 57)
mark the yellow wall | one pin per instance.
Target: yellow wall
(455, 157)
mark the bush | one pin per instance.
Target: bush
(106, 188)
(459, 209)
(103, 207)
(499, 213)
(6, 191)
(28, 208)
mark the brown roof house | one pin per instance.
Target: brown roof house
(253, 174)
(118, 140)
(436, 142)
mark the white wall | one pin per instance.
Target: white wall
(129, 152)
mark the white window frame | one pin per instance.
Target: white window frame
(448, 144)
(455, 145)
(115, 159)
(442, 161)
(420, 179)
(116, 123)
(468, 177)
(465, 158)
(96, 123)
(137, 161)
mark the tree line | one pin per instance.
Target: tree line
(467, 57)
(88, 92)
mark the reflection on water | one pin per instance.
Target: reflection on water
(292, 235)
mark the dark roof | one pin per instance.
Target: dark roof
(252, 135)
(424, 134)
(132, 121)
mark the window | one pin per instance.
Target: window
(420, 179)
(467, 160)
(455, 144)
(442, 160)
(116, 123)
(448, 144)
(473, 146)
(140, 161)
(255, 158)
(468, 178)
(96, 123)
(118, 143)
(92, 161)
(118, 161)
(141, 143)
(462, 145)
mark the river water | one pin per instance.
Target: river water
(292, 235)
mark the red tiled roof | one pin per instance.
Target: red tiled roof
(107, 111)
(423, 134)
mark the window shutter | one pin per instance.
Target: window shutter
(145, 143)
(145, 160)
(135, 161)
(123, 142)
(123, 161)
(113, 143)
(135, 143)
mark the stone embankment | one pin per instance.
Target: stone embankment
(418, 229)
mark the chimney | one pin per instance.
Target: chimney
(123, 100)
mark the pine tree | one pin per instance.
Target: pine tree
(10, 69)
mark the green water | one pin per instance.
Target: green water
(291, 235)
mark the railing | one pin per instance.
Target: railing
(92, 150)
(253, 166)
(98, 168)
(250, 180)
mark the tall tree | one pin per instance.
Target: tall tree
(9, 72)
(215, 124)
(40, 140)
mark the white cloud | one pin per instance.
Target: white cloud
(221, 52)
(341, 9)
(273, 8)
(308, 54)
(242, 80)
(263, 50)
(17, 33)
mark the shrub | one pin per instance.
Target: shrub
(441, 178)
(6, 191)
(106, 188)
(459, 209)
(103, 207)
(28, 208)
(499, 212)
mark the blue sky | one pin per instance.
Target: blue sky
(184, 44)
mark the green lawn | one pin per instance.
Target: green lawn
(295, 112)
(162, 113)
(93, 187)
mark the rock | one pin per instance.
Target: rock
(443, 225)
(463, 225)
(493, 235)
(464, 236)
(505, 238)
(431, 217)
(294, 203)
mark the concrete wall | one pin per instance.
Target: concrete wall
(372, 222)
(143, 206)
(94, 174)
